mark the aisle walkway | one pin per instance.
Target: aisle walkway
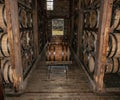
(57, 87)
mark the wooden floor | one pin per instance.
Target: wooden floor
(75, 87)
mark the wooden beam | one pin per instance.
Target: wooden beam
(102, 43)
(80, 27)
(72, 19)
(81, 23)
(14, 41)
(35, 26)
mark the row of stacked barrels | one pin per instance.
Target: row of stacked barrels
(58, 49)
(27, 47)
(27, 55)
(26, 33)
(26, 42)
(26, 37)
(113, 49)
(25, 18)
(6, 67)
(91, 15)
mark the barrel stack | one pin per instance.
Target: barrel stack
(58, 57)
(58, 50)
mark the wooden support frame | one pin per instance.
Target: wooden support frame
(102, 43)
(72, 19)
(35, 26)
(80, 28)
(14, 42)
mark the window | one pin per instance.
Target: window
(57, 26)
(49, 4)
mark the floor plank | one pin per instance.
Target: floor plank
(75, 87)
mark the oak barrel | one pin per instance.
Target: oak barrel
(113, 45)
(58, 52)
(7, 72)
(3, 21)
(94, 18)
(25, 59)
(112, 64)
(89, 41)
(57, 39)
(91, 63)
(4, 50)
(23, 18)
(29, 19)
(115, 19)
(92, 39)
(26, 39)
(85, 57)
(87, 20)
(85, 40)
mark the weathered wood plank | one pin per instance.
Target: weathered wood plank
(102, 43)
(35, 26)
(80, 29)
(14, 40)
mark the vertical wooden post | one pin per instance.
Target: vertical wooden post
(80, 27)
(35, 26)
(102, 43)
(14, 41)
(71, 18)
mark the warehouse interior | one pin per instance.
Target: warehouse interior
(59, 49)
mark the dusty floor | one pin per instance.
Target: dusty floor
(75, 87)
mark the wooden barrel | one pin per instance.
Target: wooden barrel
(4, 50)
(29, 19)
(58, 52)
(91, 63)
(30, 56)
(23, 18)
(92, 39)
(87, 20)
(25, 59)
(94, 18)
(26, 39)
(96, 3)
(89, 40)
(31, 38)
(115, 19)
(85, 40)
(85, 57)
(113, 45)
(3, 21)
(7, 72)
(112, 65)
(57, 39)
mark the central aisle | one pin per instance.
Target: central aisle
(57, 87)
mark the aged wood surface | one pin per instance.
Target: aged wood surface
(14, 40)
(80, 29)
(102, 43)
(35, 26)
(75, 87)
